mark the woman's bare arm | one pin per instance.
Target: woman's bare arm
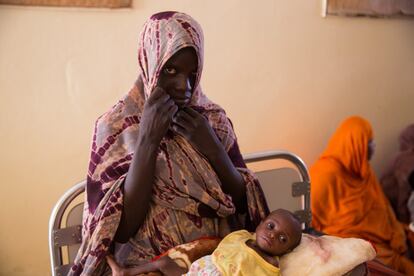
(196, 129)
(155, 120)
(231, 179)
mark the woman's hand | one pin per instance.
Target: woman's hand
(165, 265)
(117, 270)
(197, 130)
(156, 118)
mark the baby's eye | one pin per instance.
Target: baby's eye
(270, 225)
(170, 70)
(282, 238)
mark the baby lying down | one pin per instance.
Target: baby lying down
(243, 253)
(239, 253)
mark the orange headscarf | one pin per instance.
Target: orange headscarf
(347, 200)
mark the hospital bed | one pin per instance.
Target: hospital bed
(283, 175)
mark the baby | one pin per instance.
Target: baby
(239, 253)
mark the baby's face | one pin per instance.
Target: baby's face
(278, 233)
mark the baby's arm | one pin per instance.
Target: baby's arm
(164, 264)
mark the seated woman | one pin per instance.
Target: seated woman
(347, 200)
(165, 166)
(398, 180)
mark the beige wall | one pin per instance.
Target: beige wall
(285, 75)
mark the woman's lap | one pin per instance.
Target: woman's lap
(163, 229)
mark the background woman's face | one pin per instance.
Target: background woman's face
(371, 149)
(178, 76)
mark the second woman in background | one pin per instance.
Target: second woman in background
(347, 199)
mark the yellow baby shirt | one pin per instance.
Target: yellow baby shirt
(234, 257)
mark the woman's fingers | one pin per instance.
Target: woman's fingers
(184, 120)
(184, 116)
(174, 110)
(113, 264)
(180, 130)
(194, 114)
(196, 119)
(169, 109)
(156, 94)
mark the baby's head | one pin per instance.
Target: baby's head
(278, 233)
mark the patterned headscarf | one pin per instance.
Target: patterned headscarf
(161, 39)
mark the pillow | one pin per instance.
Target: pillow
(326, 255)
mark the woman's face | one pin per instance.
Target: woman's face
(371, 149)
(178, 76)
